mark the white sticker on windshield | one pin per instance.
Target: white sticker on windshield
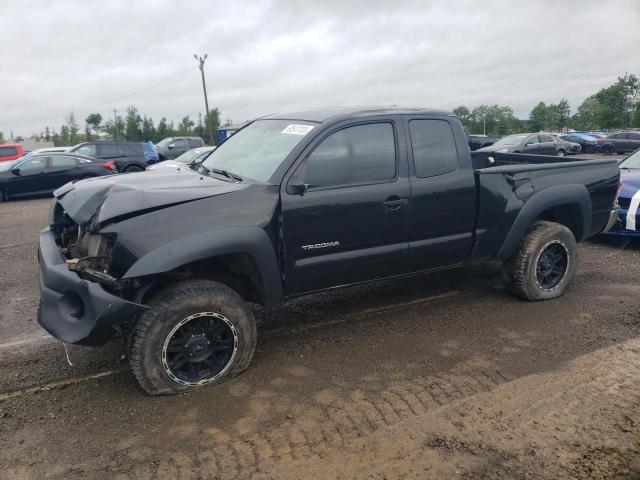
(297, 129)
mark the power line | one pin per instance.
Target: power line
(108, 102)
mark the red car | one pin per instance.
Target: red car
(10, 151)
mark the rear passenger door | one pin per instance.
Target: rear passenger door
(443, 199)
(108, 151)
(351, 224)
(62, 169)
(633, 141)
(547, 145)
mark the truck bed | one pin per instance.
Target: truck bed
(506, 182)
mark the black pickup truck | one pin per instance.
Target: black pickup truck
(294, 204)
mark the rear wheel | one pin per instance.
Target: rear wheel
(544, 263)
(196, 333)
(607, 149)
(560, 153)
(133, 168)
(2, 197)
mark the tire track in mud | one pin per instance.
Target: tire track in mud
(339, 423)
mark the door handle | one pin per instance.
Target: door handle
(395, 204)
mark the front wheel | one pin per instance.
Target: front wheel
(544, 264)
(196, 333)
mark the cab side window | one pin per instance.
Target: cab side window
(433, 146)
(362, 154)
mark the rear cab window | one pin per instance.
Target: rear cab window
(433, 147)
(194, 142)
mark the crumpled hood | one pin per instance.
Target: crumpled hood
(104, 199)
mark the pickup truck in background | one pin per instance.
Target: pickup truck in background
(294, 204)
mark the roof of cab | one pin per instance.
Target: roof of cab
(343, 113)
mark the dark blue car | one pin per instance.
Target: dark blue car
(629, 198)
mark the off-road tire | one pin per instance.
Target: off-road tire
(168, 308)
(521, 268)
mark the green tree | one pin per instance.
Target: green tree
(1, 138)
(115, 128)
(185, 126)
(148, 130)
(133, 124)
(64, 136)
(73, 128)
(163, 129)
(214, 120)
(538, 118)
(94, 121)
(462, 113)
(563, 113)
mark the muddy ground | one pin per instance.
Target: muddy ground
(435, 376)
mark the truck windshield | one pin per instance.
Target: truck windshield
(256, 151)
(511, 140)
(632, 162)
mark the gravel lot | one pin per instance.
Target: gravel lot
(429, 377)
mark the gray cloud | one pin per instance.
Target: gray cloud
(276, 56)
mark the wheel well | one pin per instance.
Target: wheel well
(236, 270)
(568, 215)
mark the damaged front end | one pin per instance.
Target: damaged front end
(81, 302)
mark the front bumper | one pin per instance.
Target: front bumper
(75, 310)
(617, 225)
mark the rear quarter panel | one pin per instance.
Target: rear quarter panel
(499, 205)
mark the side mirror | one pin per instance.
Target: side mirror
(298, 188)
(15, 171)
(172, 146)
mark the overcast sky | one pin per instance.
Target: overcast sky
(267, 57)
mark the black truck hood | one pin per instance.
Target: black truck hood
(106, 199)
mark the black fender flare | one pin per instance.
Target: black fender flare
(252, 241)
(572, 194)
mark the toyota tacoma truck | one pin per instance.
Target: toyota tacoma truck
(294, 204)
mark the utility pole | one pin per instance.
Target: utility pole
(115, 123)
(200, 61)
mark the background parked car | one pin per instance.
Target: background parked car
(570, 147)
(10, 151)
(128, 156)
(191, 158)
(532, 143)
(481, 141)
(587, 142)
(173, 147)
(42, 174)
(622, 142)
(629, 198)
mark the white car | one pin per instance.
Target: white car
(187, 159)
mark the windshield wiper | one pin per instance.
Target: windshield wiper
(225, 173)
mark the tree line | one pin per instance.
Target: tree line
(613, 107)
(133, 126)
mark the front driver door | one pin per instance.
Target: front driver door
(31, 178)
(351, 224)
(532, 145)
